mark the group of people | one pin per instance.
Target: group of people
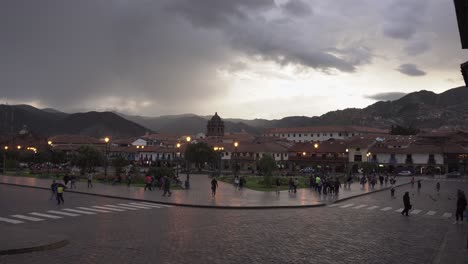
(57, 190)
(239, 182)
(164, 183)
(325, 185)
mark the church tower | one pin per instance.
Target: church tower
(215, 127)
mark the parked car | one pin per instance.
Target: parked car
(453, 174)
(405, 173)
(308, 170)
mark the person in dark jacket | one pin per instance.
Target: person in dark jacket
(406, 203)
(461, 206)
(167, 186)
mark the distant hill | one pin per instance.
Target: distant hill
(48, 123)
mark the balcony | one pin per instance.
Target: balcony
(318, 159)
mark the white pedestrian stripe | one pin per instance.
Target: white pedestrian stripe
(360, 206)
(63, 213)
(121, 207)
(447, 215)
(28, 218)
(347, 205)
(399, 210)
(332, 205)
(136, 206)
(108, 208)
(431, 213)
(150, 205)
(163, 205)
(415, 211)
(373, 207)
(79, 211)
(93, 210)
(386, 209)
(46, 215)
(11, 221)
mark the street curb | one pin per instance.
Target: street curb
(54, 245)
(179, 204)
(367, 193)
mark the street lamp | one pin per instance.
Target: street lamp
(49, 143)
(219, 150)
(5, 148)
(106, 139)
(178, 159)
(236, 144)
(187, 180)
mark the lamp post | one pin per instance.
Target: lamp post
(49, 144)
(178, 159)
(106, 139)
(187, 180)
(219, 150)
(346, 162)
(236, 144)
(5, 148)
(367, 155)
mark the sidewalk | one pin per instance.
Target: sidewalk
(199, 195)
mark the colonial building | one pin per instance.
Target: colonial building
(322, 133)
(215, 127)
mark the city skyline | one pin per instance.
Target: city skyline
(263, 58)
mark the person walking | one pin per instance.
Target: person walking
(129, 180)
(66, 179)
(295, 184)
(381, 179)
(60, 190)
(319, 184)
(337, 185)
(241, 183)
(386, 179)
(412, 182)
(73, 182)
(167, 186)
(236, 182)
(419, 185)
(278, 185)
(53, 188)
(214, 185)
(461, 206)
(90, 179)
(438, 187)
(406, 203)
(148, 182)
(290, 184)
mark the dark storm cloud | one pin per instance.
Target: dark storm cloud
(403, 18)
(390, 96)
(411, 70)
(417, 47)
(297, 8)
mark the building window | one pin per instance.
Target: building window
(339, 134)
(357, 158)
(318, 135)
(331, 134)
(305, 135)
(294, 135)
(289, 135)
(282, 135)
(324, 134)
(311, 134)
(300, 135)
(352, 134)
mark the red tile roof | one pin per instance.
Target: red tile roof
(349, 129)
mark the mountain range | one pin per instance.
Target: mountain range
(423, 109)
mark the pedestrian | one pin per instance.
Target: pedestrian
(66, 179)
(60, 190)
(438, 187)
(167, 186)
(214, 185)
(319, 183)
(312, 182)
(148, 182)
(381, 179)
(337, 185)
(386, 179)
(241, 182)
(296, 183)
(53, 188)
(278, 185)
(129, 180)
(406, 203)
(236, 182)
(363, 181)
(419, 185)
(461, 206)
(73, 182)
(153, 182)
(392, 192)
(412, 182)
(90, 179)
(290, 184)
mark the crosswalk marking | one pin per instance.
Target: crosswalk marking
(11, 221)
(121, 207)
(431, 213)
(447, 215)
(399, 210)
(136, 206)
(63, 213)
(79, 211)
(333, 205)
(46, 215)
(30, 218)
(386, 209)
(108, 208)
(359, 206)
(415, 211)
(93, 210)
(373, 207)
(163, 205)
(347, 205)
(150, 205)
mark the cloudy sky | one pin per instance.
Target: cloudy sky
(241, 58)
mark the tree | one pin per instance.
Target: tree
(118, 163)
(87, 157)
(199, 153)
(401, 130)
(267, 165)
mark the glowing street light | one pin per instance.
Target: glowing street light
(316, 145)
(187, 180)
(236, 144)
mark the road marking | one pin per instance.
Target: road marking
(360, 206)
(136, 206)
(332, 205)
(79, 211)
(447, 215)
(108, 208)
(399, 210)
(63, 213)
(93, 210)
(121, 207)
(28, 218)
(373, 207)
(431, 213)
(415, 211)
(347, 205)
(46, 215)
(386, 209)
(164, 205)
(11, 221)
(150, 205)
